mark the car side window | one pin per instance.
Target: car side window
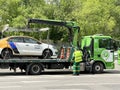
(30, 40)
(16, 39)
(11, 40)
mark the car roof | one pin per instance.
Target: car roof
(16, 36)
(19, 36)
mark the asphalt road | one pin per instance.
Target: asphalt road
(60, 80)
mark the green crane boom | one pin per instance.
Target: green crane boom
(72, 27)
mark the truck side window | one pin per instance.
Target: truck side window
(105, 43)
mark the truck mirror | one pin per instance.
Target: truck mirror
(114, 45)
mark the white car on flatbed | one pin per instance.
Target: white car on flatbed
(25, 46)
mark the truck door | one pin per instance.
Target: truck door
(107, 53)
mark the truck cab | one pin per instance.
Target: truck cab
(99, 51)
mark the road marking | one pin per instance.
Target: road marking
(33, 81)
(10, 82)
(15, 77)
(92, 84)
(38, 81)
(10, 86)
(68, 89)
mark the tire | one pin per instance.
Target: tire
(6, 54)
(47, 53)
(97, 68)
(35, 69)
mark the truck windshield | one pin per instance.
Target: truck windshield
(105, 43)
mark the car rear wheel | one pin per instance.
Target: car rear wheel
(47, 53)
(6, 54)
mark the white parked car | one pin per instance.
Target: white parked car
(25, 46)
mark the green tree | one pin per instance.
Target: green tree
(95, 16)
(16, 12)
(116, 13)
(60, 10)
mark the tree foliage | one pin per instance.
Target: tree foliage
(93, 16)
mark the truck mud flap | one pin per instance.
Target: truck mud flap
(82, 66)
(88, 66)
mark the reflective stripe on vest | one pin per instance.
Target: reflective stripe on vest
(78, 56)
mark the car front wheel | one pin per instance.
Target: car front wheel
(47, 53)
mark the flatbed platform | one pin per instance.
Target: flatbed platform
(34, 66)
(17, 60)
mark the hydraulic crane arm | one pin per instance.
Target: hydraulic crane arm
(51, 22)
(72, 27)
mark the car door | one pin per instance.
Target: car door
(17, 45)
(32, 47)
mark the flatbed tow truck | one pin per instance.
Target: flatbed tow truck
(98, 51)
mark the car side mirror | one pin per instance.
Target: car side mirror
(39, 42)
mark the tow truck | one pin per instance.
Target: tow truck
(98, 52)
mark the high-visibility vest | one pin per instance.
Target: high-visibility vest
(78, 56)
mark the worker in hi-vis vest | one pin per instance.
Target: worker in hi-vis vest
(77, 58)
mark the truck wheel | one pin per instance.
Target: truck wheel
(97, 67)
(6, 54)
(35, 69)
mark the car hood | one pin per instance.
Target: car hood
(44, 44)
